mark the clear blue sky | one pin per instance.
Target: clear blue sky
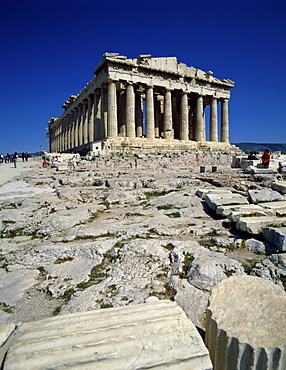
(49, 49)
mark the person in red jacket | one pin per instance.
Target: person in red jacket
(265, 158)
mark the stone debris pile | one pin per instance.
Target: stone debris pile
(261, 208)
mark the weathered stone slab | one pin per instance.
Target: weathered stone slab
(243, 210)
(255, 225)
(203, 192)
(279, 207)
(244, 163)
(276, 236)
(6, 336)
(235, 216)
(244, 331)
(258, 171)
(152, 335)
(217, 200)
(281, 212)
(274, 205)
(264, 195)
(279, 186)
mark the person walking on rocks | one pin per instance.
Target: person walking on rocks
(15, 157)
(72, 161)
(265, 158)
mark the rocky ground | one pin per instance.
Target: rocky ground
(118, 231)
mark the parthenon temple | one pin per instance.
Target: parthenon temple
(142, 104)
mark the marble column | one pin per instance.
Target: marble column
(56, 139)
(200, 128)
(69, 132)
(168, 122)
(112, 130)
(150, 121)
(192, 121)
(66, 133)
(85, 122)
(130, 111)
(52, 140)
(104, 113)
(224, 122)
(80, 122)
(184, 121)
(122, 113)
(138, 114)
(98, 117)
(157, 117)
(90, 119)
(73, 129)
(76, 127)
(62, 137)
(213, 120)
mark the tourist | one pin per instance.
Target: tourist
(23, 156)
(265, 158)
(45, 163)
(252, 156)
(72, 161)
(14, 158)
(26, 155)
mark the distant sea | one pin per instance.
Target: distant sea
(37, 154)
(255, 147)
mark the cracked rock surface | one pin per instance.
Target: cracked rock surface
(115, 233)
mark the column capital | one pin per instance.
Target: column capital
(109, 81)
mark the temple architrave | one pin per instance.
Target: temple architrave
(144, 104)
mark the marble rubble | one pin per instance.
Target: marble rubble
(156, 334)
(122, 230)
(238, 332)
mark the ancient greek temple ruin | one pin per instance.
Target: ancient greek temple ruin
(142, 104)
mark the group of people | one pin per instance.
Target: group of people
(265, 157)
(56, 159)
(25, 157)
(12, 158)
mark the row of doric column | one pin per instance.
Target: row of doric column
(110, 112)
